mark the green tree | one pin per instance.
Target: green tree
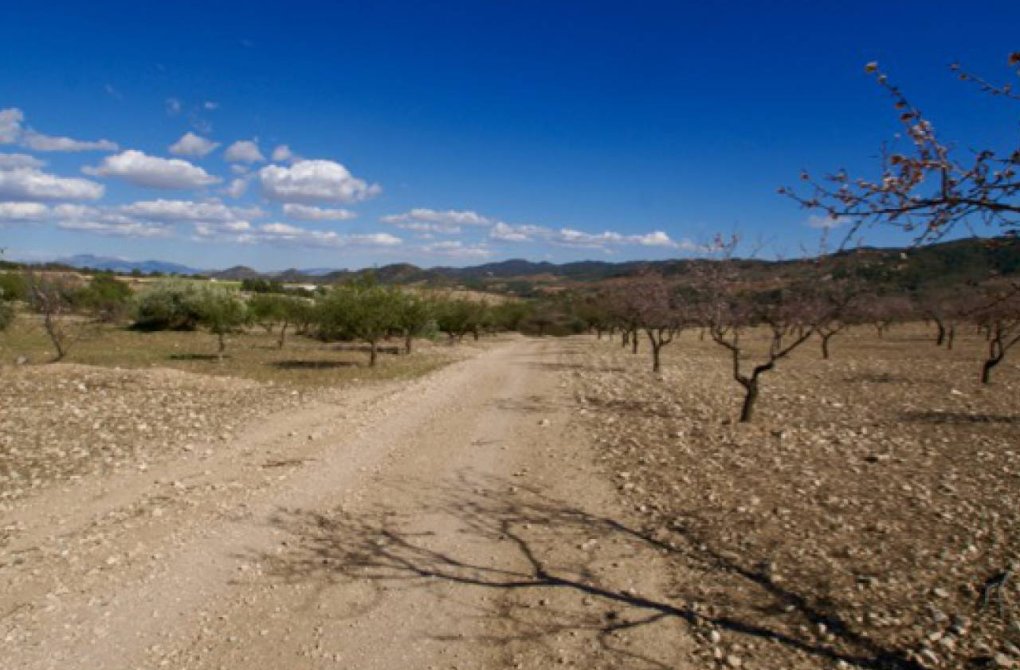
(105, 297)
(360, 311)
(168, 305)
(269, 309)
(415, 316)
(222, 311)
(457, 317)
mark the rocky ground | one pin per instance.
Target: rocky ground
(61, 422)
(541, 502)
(862, 519)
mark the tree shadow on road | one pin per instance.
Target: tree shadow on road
(551, 548)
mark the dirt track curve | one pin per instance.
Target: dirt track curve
(456, 521)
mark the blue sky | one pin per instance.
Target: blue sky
(451, 133)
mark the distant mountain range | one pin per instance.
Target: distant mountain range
(113, 264)
(962, 260)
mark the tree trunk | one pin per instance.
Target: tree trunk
(825, 346)
(995, 354)
(408, 338)
(655, 357)
(634, 342)
(53, 330)
(950, 337)
(372, 354)
(624, 338)
(940, 338)
(750, 396)
(283, 336)
(223, 345)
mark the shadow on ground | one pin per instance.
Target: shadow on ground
(562, 552)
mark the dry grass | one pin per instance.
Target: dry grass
(302, 363)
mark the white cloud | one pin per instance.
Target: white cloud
(314, 181)
(457, 249)
(285, 233)
(283, 154)
(210, 105)
(237, 188)
(244, 151)
(10, 125)
(101, 221)
(11, 161)
(449, 217)
(141, 169)
(445, 222)
(126, 229)
(173, 106)
(23, 211)
(310, 213)
(188, 210)
(824, 221)
(40, 142)
(191, 144)
(33, 184)
(517, 233)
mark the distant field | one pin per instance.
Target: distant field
(302, 363)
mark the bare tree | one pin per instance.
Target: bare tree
(730, 310)
(52, 296)
(1000, 316)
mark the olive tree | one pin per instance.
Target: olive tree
(269, 309)
(222, 311)
(359, 311)
(414, 317)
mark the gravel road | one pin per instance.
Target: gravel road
(455, 521)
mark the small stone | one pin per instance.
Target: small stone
(733, 661)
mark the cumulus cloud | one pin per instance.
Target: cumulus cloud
(28, 183)
(237, 188)
(283, 154)
(11, 161)
(188, 210)
(141, 169)
(244, 151)
(12, 130)
(311, 213)
(40, 142)
(23, 211)
(191, 144)
(312, 181)
(10, 125)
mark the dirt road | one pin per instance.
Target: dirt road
(456, 521)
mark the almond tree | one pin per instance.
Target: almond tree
(652, 302)
(730, 310)
(1000, 316)
(930, 186)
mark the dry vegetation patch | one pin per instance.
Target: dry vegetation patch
(862, 519)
